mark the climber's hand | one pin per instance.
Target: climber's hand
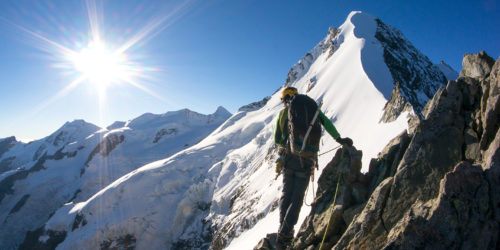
(344, 141)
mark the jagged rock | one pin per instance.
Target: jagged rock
(353, 193)
(413, 123)
(344, 169)
(162, 132)
(395, 106)
(476, 65)
(106, 146)
(427, 194)
(418, 78)
(267, 243)
(388, 160)
(367, 229)
(491, 168)
(434, 150)
(255, 105)
(331, 42)
(459, 218)
(490, 106)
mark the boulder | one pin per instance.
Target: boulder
(476, 65)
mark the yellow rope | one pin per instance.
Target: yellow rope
(333, 204)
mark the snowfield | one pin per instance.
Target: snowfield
(80, 159)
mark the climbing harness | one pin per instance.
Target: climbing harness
(332, 205)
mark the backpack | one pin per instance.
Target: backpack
(300, 114)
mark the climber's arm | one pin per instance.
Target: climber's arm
(329, 126)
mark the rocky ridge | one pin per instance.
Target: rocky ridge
(436, 187)
(412, 72)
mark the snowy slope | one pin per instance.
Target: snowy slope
(221, 191)
(79, 159)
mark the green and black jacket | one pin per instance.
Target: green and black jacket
(281, 131)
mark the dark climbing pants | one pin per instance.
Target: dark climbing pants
(295, 181)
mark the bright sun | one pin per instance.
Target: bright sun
(99, 65)
(102, 63)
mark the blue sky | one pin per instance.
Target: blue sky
(201, 54)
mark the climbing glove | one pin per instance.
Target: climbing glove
(344, 141)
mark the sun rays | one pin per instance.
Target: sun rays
(103, 63)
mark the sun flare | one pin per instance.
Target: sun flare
(103, 62)
(99, 64)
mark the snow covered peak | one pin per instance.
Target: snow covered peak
(417, 76)
(222, 112)
(367, 36)
(185, 116)
(72, 131)
(115, 125)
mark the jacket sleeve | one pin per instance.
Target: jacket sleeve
(329, 126)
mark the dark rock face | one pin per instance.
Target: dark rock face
(490, 106)
(106, 146)
(417, 76)
(341, 181)
(202, 241)
(123, 242)
(459, 218)
(32, 239)
(255, 105)
(164, 132)
(435, 188)
(395, 106)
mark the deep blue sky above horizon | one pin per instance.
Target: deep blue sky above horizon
(205, 54)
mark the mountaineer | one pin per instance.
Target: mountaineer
(297, 137)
